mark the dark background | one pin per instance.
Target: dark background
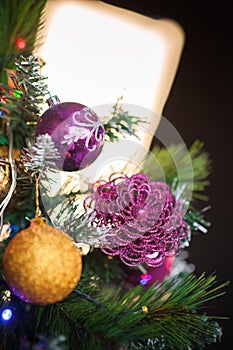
(200, 107)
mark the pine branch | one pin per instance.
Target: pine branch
(19, 19)
(175, 157)
(22, 107)
(98, 318)
(196, 220)
(121, 123)
(29, 80)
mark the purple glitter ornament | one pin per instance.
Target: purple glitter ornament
(143, 218)
(76, 131)
(151, 274)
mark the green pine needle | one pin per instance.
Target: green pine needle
(3, 140)
(91, 318)
(195, 179)
(196, 220)
(121, 123)
(23, 111)
(19, 19)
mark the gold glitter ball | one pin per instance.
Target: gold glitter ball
(41, 264)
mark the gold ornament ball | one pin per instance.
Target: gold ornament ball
(41, 264)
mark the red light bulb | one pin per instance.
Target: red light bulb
(21, 43)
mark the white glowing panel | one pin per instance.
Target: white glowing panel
(95, 52)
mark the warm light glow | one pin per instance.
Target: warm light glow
(145, 309)
(21, 43)
(95, 52)
(123, 59)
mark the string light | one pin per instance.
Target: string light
(6, 296)
(17, 93)
(20, 43)
(145, 309)
(144, 279)
(6, 314)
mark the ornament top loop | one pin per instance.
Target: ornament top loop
(38, 222)
(53, 100)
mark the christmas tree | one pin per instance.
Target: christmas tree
(103, 267)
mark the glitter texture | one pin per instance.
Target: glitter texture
(143, 218)
(41, 264)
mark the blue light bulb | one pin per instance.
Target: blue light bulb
(7, 314)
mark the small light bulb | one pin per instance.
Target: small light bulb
(20, 43)
(145, 309)
(17, 93)
(7, 314)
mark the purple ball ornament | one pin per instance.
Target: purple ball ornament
(76, 131)
(151, 274)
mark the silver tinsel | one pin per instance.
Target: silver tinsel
(40, 156)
